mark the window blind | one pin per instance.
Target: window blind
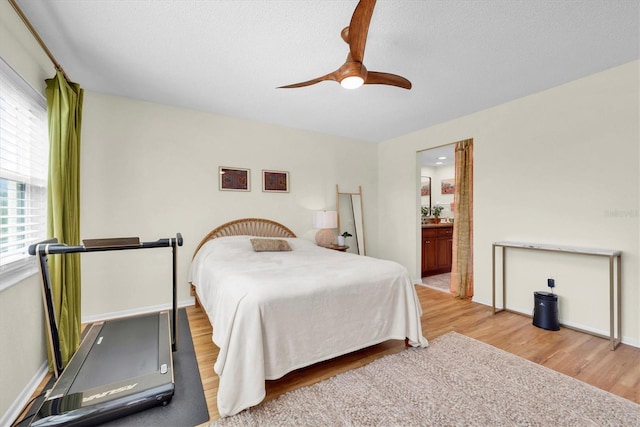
(23, 172)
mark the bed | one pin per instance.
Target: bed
(273, 312)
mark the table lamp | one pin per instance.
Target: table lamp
(326, 221)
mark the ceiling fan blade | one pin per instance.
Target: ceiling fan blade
(378, 78)
(353, 71)
(330, 76)
(358, 28)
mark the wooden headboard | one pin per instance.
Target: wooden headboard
(248, 227)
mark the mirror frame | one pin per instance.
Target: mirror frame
(358, 219)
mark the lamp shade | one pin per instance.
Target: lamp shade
(325, 219)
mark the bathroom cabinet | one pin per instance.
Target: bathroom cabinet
(437, 248)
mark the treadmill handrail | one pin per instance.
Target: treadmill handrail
(53, 247)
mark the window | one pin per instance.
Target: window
(23, 174)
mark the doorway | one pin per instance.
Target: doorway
(447, 230)
(437, 177)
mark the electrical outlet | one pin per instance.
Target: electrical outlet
(551, 282)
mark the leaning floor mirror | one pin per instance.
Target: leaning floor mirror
(349, 207)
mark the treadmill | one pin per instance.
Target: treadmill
(123, 365)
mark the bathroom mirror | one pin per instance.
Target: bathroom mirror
(425, 197)
(349, 207)
(425, 191)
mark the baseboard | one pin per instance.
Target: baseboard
(23, 398)
(133, 312)
(570, 325)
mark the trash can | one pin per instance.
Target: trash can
(545, 311)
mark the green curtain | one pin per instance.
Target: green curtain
(64, 110)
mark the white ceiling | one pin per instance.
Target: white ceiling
(228, 57)
(433, 157)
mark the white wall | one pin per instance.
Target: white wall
(560, 166)
(22, 348)
(150, 170)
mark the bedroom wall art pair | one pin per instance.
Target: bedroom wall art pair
(238, 179)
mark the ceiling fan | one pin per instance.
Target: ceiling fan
(353, 74)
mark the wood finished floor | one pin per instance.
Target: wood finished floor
(573, 353)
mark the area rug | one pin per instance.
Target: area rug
(456, 381)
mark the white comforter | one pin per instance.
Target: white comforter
(274, 312)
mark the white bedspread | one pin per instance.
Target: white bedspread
(274, 312)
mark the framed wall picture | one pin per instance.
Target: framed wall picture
(275, 181)
(234, 179)
(448, 186)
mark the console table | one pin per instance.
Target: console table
(614, 256)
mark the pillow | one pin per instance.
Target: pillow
(270, 245)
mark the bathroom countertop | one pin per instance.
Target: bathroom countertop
(442, 224)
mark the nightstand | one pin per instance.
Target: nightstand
(339, 248)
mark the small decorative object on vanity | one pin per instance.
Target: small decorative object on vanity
(436, 211)
(342, 237)
(424, 213)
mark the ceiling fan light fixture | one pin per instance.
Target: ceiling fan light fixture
(352, 82)
(353, 74)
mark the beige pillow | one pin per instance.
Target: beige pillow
(270, 245)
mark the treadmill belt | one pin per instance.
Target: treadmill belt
(124, 349)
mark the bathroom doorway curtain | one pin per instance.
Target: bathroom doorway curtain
(461, 284)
